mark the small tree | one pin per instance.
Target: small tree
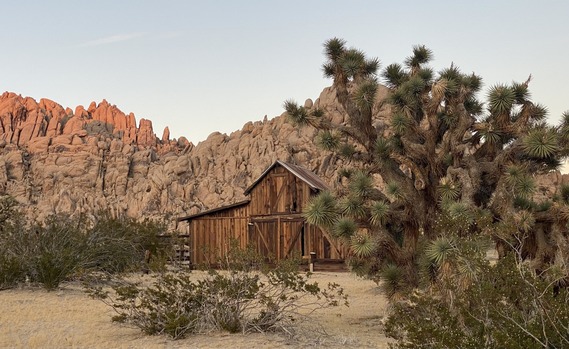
(436, 150)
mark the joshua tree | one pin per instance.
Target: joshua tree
(440, 156)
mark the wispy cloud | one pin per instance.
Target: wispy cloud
(111, 39)
(168, 35)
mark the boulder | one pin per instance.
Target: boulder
(84, 160)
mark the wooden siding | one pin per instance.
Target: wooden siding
(211, 235)
(290, 237)
(280, 192)
(272, 237)
(271, 222)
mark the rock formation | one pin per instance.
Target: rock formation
(54, 159)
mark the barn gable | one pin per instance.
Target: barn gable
(270, 220)
(313, 181)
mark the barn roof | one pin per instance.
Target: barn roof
(313, 181)
(213, 210)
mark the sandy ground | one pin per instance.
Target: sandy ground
(68, 318)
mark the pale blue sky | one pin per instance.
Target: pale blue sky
(205, 66)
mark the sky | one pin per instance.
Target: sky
(204, 66)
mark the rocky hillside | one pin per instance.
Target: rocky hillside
(55, 159)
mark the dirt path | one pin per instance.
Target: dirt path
(68, 318)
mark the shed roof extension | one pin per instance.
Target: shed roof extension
(213, 210)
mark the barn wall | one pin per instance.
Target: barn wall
(272, 222)
(324, 247)
(210, 235)
(291, 237)
(280, 192)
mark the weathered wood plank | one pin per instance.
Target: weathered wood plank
(274, 209)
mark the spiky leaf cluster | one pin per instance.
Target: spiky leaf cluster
(345, 172)
(361, 185)
(347, 63)
(301, 116)
(364, 96)
(394, 191)
(394, 75)
(400, 123)
(435, 157)
(440, 250)
(501, 99)
(541, 143)
(353, 206)
(379, 213)
(344, 228)
(346, 150)
(564, 192)
(448, 191)
(393, 280)
(382, 148)
(328, 140)
(363, 245)
(321, 210)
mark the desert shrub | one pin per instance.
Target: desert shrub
(8, 211)
(474, 304)
(12, 253)
(57, 251)
(52, 268)
(62, 246)
(234, 300)
(12, 271)
(117, 245)
(46, 253)
(247, 260)
(168, 307)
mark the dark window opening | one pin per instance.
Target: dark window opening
(326, 248)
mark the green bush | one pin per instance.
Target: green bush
(234, 300)
(12, 252)
(11, 271)
(46, 253)
(474, 304)
(58, 250)
(62, 246)
(117, 245)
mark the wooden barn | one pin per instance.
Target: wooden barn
(270, 220)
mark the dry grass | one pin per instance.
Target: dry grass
(68, 318)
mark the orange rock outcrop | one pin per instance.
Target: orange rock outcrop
(23, 121)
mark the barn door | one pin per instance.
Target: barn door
(263, 237)
(291, 239)
(277, 238)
